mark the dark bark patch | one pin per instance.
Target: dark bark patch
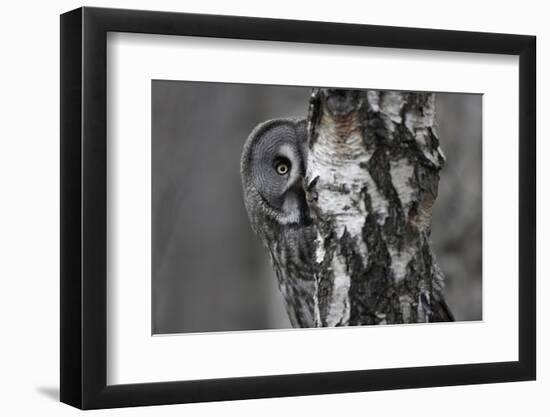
(314, 113)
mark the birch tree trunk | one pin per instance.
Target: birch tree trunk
(371, 182)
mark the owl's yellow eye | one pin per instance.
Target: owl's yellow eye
(281, 168)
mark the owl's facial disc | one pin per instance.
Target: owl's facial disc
(288, 164)
(277, 169)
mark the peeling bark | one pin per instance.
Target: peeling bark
(371, 181)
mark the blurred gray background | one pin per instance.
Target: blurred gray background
(209, 271)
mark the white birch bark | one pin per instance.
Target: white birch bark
(371, 181)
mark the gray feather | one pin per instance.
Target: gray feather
(278, 211)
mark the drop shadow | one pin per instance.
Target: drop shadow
(50, 392)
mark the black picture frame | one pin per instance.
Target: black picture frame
(84, 194)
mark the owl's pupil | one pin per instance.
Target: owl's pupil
(282, 168)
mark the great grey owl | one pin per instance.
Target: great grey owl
(272, 170)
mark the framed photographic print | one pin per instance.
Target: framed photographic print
(256, 208)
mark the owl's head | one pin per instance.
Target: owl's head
(272, 168)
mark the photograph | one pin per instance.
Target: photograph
(280, 207)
